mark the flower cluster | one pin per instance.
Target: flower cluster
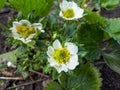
(62, 58)
(63, 39)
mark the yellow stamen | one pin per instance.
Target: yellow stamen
(25, 31)
(61, 55)
(69, 13)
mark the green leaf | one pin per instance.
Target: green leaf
(2, 2)
(113, 28)
(70, 30)
(38, 7)
(113, 60)
(109, 4)
(36, 66)
(55, 75)
(63, 80)
(94, 18)
(47, 68)
(91, 36)
(87, 77)
(22, 72)
(10, 56)
(31, 44)
(53, 86)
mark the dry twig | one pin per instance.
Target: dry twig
(11, 78)
(41, 74)
(25, 84)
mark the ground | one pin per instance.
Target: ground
(36, 80)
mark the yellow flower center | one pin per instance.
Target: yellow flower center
(61, 55)
(69, 13)
(25, 31)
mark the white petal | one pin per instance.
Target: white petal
(73, 49)
(79, 12)
(61, 67)
(15, 23)
(18, 37)
(50, 51)
(64, 68)
(57, 44)
(37, 25)
(15, 34)
(61, 14)
(58, 68)
(42, 31)
(73, 5)
(64, 5)
(24, 40)
(52, 62)
(73, 62)
(25, 22)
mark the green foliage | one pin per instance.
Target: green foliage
(53, 86)
(113, 28)
(6, 57)
(94, 18)
(87, 77)
(88, 33)
(70, 30)
(30, 58)
(9, 56)
(2, 2)
(37, 7)
(109, 4)
(22, 72)
(113, 60)
(55, 75)
(91, 36)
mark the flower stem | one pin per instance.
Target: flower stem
(83, 3)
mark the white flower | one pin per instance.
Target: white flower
(10, 64)
(63, 58)
(70, 10)
(24, 30)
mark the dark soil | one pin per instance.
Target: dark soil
(3, 19)
(111, 80)
(111, 13)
